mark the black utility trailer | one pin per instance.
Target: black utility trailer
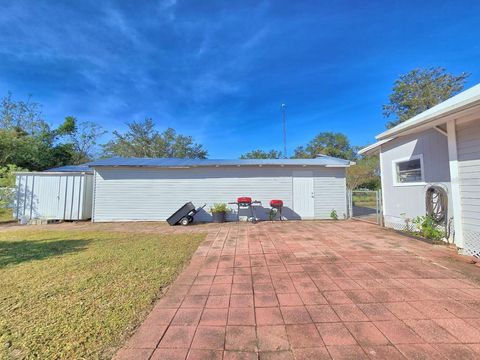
(184, 215)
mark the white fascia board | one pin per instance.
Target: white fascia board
(374, 148)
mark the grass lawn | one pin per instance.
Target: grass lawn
(365, 200)
(77, 295)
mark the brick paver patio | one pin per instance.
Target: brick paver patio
(313, 290)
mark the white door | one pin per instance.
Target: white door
(303, 195)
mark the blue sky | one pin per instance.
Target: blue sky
(219, 70)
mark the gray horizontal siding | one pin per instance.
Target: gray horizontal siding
(408, 201)
(330, 192)
(154, 194)
(468, 147)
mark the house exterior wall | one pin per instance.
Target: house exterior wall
(53, 196)
(468, 152)
(401, 201)
(152, 194)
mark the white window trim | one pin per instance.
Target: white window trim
(422, 168)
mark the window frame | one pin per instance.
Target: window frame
(413, 183)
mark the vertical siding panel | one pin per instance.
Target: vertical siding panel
(25, 195)
(81, 196)
(73, 198)
(32, 192)
(18, 192)
(51, 196)
(409, 200)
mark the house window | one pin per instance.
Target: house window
(409, 171)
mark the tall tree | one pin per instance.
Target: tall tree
(83, 138)
(364, 174)
(21, 115)
(327, 143)
(142, 139)
(419, 90)
(26, 140)
(7, 185)
(262, 154)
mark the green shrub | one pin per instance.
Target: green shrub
(6, 197)
(219, 208)
(333, 215)
(7, 184)
(428, 228)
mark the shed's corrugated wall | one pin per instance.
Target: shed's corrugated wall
(88, 197)
(408, 200)
(154, 194)
(468, 149)
(53, 196)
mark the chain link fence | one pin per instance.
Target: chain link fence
(366, 205)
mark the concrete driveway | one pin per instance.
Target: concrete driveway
(314, 290)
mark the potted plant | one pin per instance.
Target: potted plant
(219, 212)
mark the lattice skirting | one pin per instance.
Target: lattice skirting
(471, 243)
(396, 223)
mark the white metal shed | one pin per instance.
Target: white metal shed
(53, 195)
(133, 189)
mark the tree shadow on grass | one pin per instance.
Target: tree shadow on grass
(16, 252)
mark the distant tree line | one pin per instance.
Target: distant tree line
(28, 141)
(142, 139)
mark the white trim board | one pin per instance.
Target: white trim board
(455, 183)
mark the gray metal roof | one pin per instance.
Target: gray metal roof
(72, 168)
(175, 163)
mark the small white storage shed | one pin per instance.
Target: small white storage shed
(59, 194)
(133, 189)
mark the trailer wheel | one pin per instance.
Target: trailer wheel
(184, 221)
